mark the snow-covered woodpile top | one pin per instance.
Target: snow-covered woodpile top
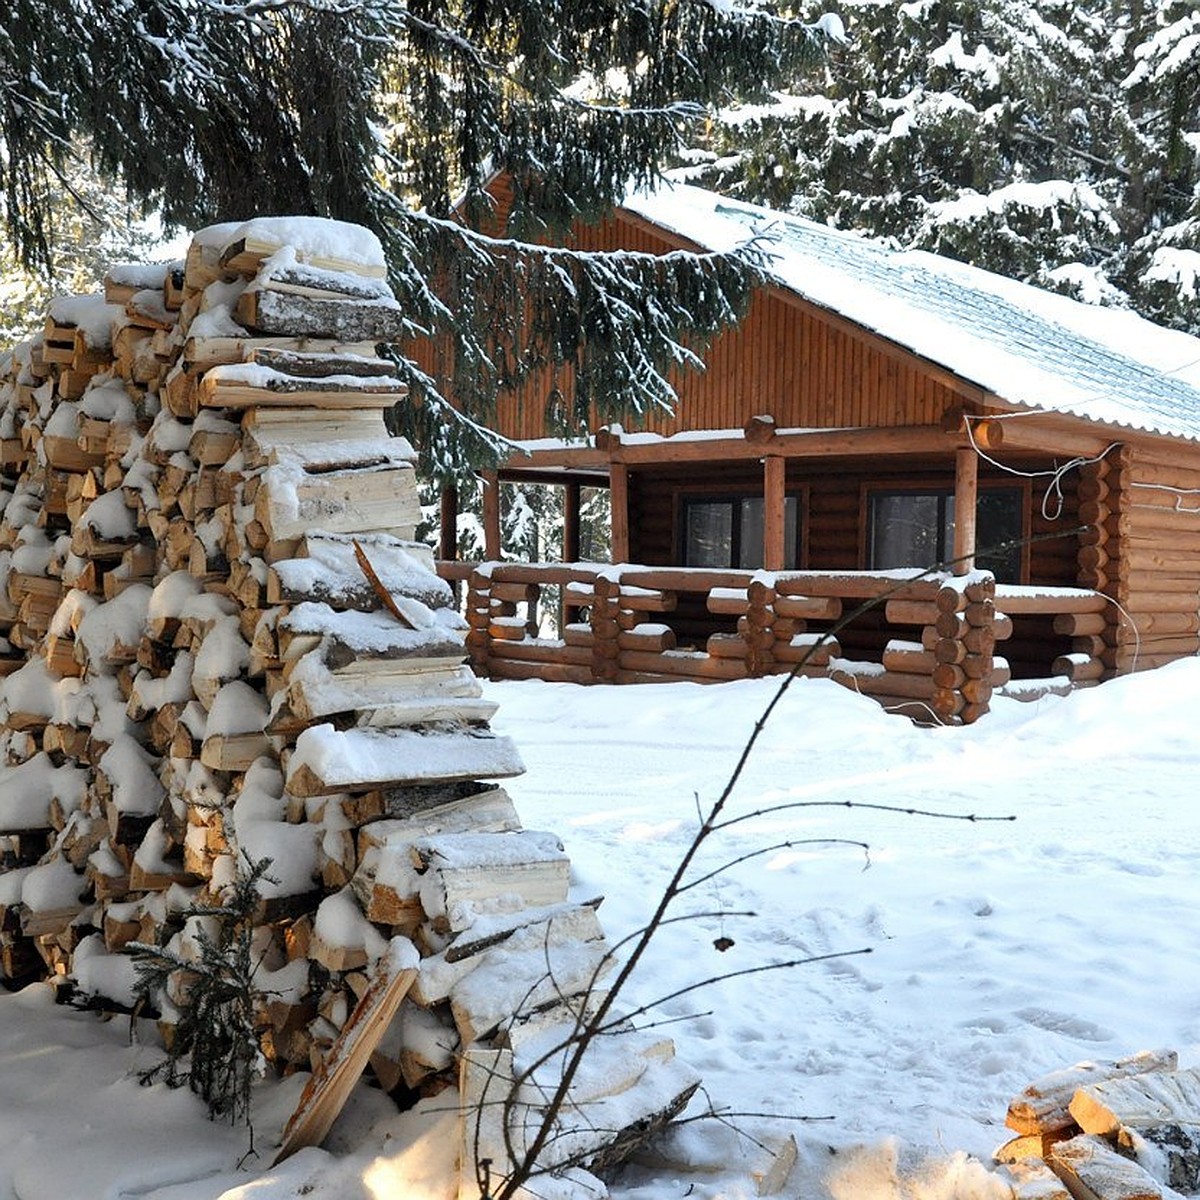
(220, 643)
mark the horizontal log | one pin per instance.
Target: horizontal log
(729, 602)
(1001, 674)
(1060, 600)
(683, 579)
(722, 645)
(1179, 646)
(507, 668)
(809, 653)
(1162, 601)
(687, 666)
(948, 675)
(1162, 579)
(654, 638)
(1080, 624)
(910, 661)
(856, 585)
(912, 612)
(514, 592)
(807, 608)
(1161, 556)
(888, 683)
(1076, 667)
(1126, 661)
(511, 629)
(977, 691)
(541, 573)
(1166, 622)
(540, 652)
(977, 666)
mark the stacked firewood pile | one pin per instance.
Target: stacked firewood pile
(1108, 1130)
(221, 644)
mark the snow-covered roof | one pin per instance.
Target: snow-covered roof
(1030, 347)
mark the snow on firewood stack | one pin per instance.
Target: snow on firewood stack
(220, 643)
(1123, 1129)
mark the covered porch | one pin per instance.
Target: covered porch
(869, 555)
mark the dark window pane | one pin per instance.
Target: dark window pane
(791, 533)
(916, 529)
(750, 546)
(905, 530)
(708, 534)
(750, 549)
(998, 531)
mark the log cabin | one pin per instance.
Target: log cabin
(951, 481)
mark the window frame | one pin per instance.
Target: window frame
(733, 495)
(925, 487)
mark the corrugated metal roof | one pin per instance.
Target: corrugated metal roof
(1028, 346)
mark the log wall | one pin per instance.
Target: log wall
(834, 517)
(1152, 512)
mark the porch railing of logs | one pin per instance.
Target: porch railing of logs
(939, 634)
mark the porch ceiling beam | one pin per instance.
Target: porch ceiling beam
(808, 443)
(1029, 432)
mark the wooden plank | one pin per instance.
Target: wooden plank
(326, 1093)
(343, 501)
(771, 1181)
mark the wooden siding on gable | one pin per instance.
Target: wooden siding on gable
(788, 358)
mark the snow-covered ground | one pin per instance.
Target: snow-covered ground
(998, 950)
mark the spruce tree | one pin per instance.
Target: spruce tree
(385, 112)
(1163, 271)
(1048, 140)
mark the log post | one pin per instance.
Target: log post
(759, 634)
(606, 629)
(966, 494)
(774, 510)
(491, 516)
(618, 496)
(947, 676)
(570, 546)
(448, 530)
(479, 617)
(569, 613)
(978, 665)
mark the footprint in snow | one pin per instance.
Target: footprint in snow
(1064, 1023)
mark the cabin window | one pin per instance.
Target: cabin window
(727, 531)
(913, 528)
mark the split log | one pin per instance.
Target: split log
(1043, 1107)
(1093, 1171)
(1138, 1102)
(327, 761)
(200, 353)
(273, 312)
(327, 1091)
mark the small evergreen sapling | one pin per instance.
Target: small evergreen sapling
(215, 1050)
